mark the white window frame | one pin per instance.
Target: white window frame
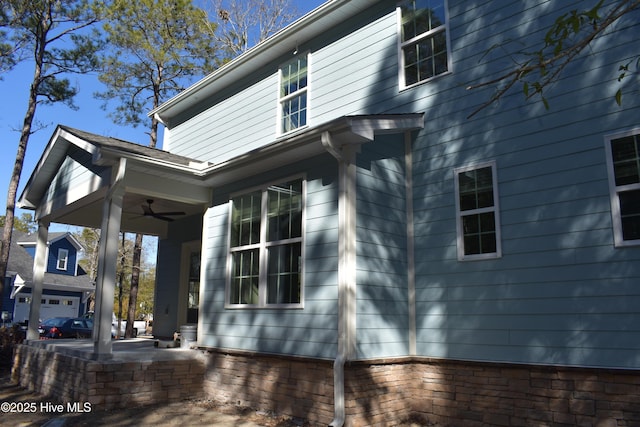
(263, 247)
(280, 125)
(495, 209)
(402, 44)
(615, 190)
(63, 259)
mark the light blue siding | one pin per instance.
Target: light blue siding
(560, 293)
(306, 332)
(76, 178)
(382, 304)
(239, 123)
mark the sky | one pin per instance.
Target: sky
(89, 117)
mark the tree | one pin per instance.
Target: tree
(156, 48)
(89, 238)
(566, 39)
(245, 23)
(54, 35)
(25, 223)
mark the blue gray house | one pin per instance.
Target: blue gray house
(354, 249)
(66, 288)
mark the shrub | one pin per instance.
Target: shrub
(10, 336)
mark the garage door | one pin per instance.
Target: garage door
(52, 306)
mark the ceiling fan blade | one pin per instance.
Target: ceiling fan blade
(170, 213)
(161, 217)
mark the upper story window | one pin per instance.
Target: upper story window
(293, 94)
(63, 259)
(623, 161)
(266, 246)
(423, 40)
(478, 221)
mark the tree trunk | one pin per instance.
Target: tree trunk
(135, 280)
(137, 248)
(15, 176)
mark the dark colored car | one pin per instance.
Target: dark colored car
(64, 327)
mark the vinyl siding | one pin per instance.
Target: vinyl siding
(237, 124)
(381, 240)
(561, 292)
(72, 258)
(76, 178)
(310, 331)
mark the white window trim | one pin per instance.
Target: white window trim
(495, 209)
(279, 130)
(263, 246)
(63, 259)
(401, 79)
(614, 190)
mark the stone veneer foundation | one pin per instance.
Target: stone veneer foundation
(378, 392)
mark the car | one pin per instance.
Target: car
(65, 327)
(138, 326)
(46, 325)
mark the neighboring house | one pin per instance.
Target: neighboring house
(66, 285)
(353, 247)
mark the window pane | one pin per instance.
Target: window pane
(294, 81)
(630, 214)
(283, 275)
(423, 25)
(476, 189)
(284, 211)
(294, 112)
(420, 16)
(245, 219)
(479, 233)
(244, 280)
(626, 159)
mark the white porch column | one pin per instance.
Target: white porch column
(39, 267)
(107, 260)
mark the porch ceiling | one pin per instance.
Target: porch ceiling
(88, 213)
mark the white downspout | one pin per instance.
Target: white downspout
(346, 269)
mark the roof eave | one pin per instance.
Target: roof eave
(306, 28)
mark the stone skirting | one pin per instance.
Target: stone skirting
(377, 392)
(428, 391)
(106, 384)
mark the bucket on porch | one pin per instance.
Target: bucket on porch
(188, 335)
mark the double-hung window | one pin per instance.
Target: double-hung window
(266, 246)
(423, 52)
(477, 212)
(293, 94)
(623, 155)
(63, 259)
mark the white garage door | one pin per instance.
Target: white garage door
(52, 306)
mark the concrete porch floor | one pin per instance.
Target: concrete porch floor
(138, 349)
(137, 372)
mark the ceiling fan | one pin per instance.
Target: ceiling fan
(159, 215)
